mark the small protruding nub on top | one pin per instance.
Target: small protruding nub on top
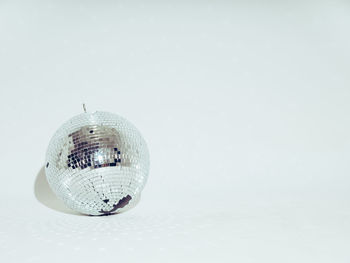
(84, 107)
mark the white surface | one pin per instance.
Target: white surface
(245, 108)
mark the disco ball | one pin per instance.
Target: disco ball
(97, 163)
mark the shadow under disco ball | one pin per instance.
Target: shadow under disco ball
(97, 163)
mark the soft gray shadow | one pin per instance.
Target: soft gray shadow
(44, 195)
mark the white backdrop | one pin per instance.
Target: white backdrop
(244, 106)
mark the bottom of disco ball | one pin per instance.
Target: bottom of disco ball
(121, 206)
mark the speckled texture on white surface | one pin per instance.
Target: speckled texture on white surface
(244, 106)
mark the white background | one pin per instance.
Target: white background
(244, 106)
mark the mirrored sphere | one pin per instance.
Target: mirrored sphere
(97, 163)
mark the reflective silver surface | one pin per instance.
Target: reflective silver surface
(97, 163)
